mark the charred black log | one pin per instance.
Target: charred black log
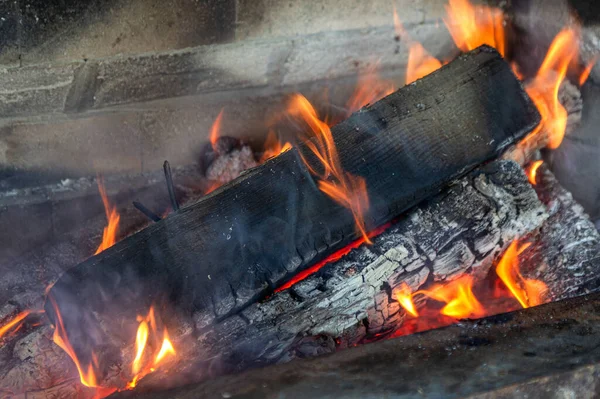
(248, 237)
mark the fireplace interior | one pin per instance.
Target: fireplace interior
(224, 198)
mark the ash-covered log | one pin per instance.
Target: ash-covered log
(246, 238)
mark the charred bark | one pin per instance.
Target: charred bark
(233, 246)
(539, 352)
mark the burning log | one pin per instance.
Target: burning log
(459, 232)
(506, 208)
(351, 301)
(247, 238)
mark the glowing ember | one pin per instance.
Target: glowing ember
(420, 62)
(109, 236)
(215, 129)
(16, 323)
(527, 291)
(337, 255)
(474, 25)
(346, 189)
(532, 172)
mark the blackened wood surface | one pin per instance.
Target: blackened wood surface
(229, 248)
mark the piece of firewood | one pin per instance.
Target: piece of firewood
(233, 246)
(460, 231)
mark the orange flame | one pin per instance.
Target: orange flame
(532, 173)
(420, 62)
(404, 297)
(87, 374)
(16, 323)
(346, 189)
(109, 236)
(165, 349)
(474, 25)
(586, 71)
(215, 129)
(528, 292)
(273, 147)
(543, 89)
(369, 89)
(458, 297)
(147, 328)
(141, 339)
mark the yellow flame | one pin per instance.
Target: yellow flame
(346, 189)
(528, 292)
(404, 297)
(109, 236)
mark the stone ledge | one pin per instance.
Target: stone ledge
(98, 84)
(128, 114)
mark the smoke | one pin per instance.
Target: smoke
(576, 163)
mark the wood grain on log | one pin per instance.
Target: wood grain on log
(228, 249)
(539, 352)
